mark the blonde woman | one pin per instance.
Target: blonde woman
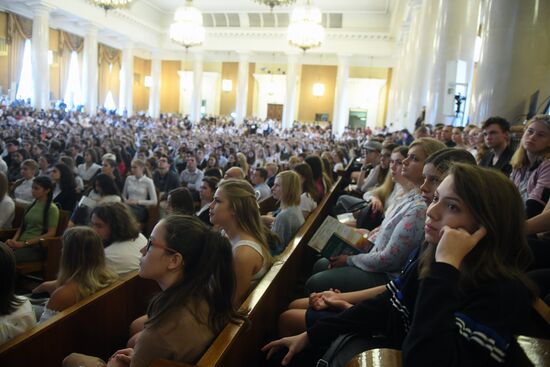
(235, 210)
(531, 166)
(388, 196)
(241, 158)
(139, 190)
(289, 217)
(82, 271)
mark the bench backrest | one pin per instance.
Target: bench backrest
(96, 326)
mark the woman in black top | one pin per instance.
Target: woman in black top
(463, 300)
(65, 195)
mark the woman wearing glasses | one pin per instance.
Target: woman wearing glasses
(193, 266)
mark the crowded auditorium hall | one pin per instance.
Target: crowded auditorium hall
(208, 183)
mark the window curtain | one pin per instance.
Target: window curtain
(19, 30)
(109, 76)
(67, 44)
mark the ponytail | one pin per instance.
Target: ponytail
(45, 216)
(208, 276)
(222, 280)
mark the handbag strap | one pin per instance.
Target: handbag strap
(334, 348)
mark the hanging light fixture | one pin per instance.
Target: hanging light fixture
(187, 29)
(274, 3)
(305, 30)
(111, 4)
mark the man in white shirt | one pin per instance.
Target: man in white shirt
(260, 187)
(191, 176)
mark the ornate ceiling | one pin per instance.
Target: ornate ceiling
(367, 30)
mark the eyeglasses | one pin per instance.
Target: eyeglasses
(151, 244)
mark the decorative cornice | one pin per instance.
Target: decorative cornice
(276, 33)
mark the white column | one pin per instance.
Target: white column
(242, 88)
(340, 115)
(289, 110)
(126, 101)
(90, 71)
(515, 59)
(453, 60)
(196, 98)
(422, 69)
(39, 56)
(154, 91)
(407, 66)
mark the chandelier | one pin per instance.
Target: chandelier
(305, 30)
(111, 4)
(187, 29)
(274, 3)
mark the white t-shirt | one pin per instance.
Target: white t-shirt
(307, 204)
(123, 257)
(23, 192)
(87, 173)
(17, 322)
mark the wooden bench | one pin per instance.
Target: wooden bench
(239, 345)
(50, 265)
(95, 326)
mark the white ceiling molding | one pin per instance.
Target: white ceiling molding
(147, 22)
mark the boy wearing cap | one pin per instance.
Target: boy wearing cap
(371, 164)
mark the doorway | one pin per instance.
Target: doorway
(275, 111)
(357, 119)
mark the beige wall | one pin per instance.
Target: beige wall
(142, 68)
(170, 87)
(251, 84)
(368, 72)
(309, 104)
(230, 71)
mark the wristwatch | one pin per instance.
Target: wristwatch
(27, 243)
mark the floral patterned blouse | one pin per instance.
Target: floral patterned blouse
(399, 234)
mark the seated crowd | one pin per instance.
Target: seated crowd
(450, 247)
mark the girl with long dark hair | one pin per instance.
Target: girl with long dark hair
(40, 221)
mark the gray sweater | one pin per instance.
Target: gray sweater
(286, 225)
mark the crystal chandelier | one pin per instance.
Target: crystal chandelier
(187, 29)
(274, 3)
(111, 4)
(305, 29)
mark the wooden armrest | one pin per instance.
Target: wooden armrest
(53, 257)
(542, 309)
(167, 363)
(377, 357)
(535, 349)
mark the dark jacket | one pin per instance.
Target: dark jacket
(434, 323)
(503, 163)
(66, 200)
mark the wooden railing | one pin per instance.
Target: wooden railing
(96, 326)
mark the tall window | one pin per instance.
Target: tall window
(25, 87)
(73, 93)
(109, 102)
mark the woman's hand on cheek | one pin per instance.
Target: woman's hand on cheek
(455, 244)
